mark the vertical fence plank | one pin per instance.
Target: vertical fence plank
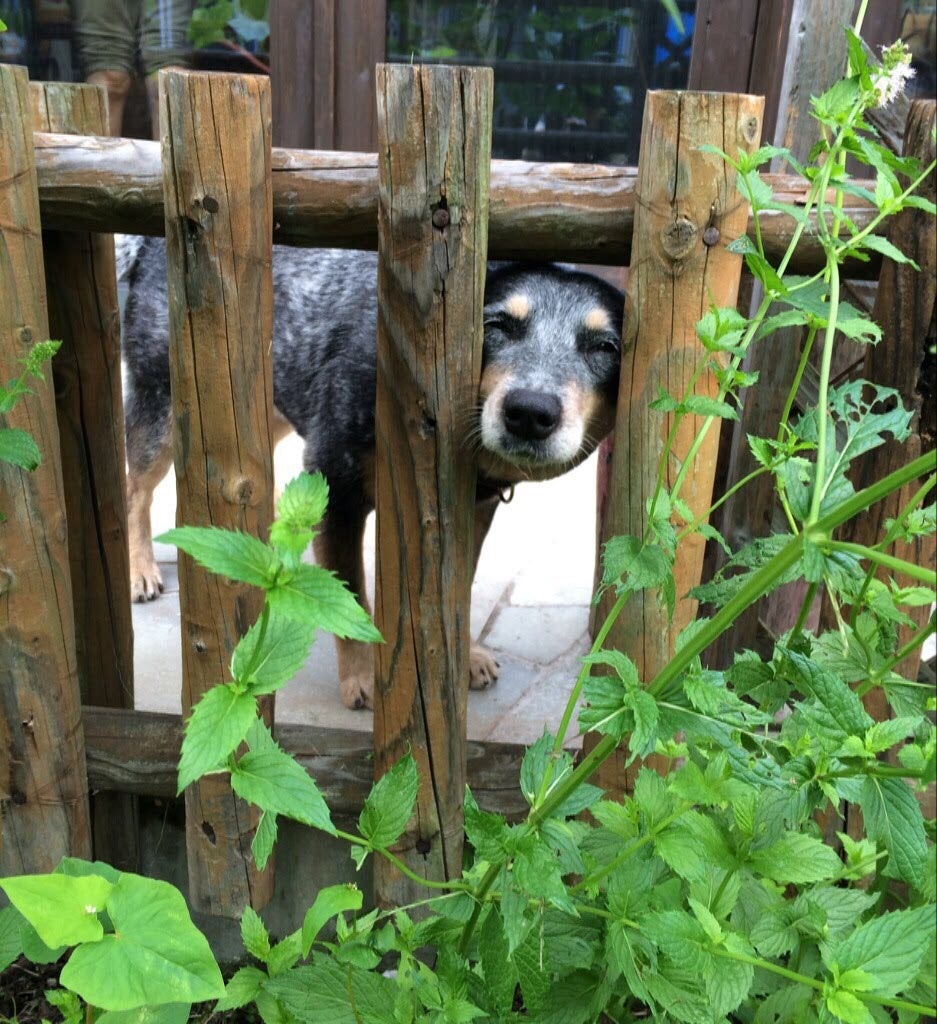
(81, 285)
(905, 308)
(434, 155)
(675, 276)
(219, 221)
(43, 785)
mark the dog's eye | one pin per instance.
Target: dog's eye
(508, 325)
(600, 345)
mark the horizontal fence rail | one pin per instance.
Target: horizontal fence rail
(578, 212)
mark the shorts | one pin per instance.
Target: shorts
(110, 33)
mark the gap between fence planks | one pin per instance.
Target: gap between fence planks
(43, 786)
(215, 135)
(81, 285)
(578, 212)
(675, 277)
(434, 137)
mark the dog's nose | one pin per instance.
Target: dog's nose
(531, 415)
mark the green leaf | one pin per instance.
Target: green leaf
(501, 977)
(156, 955)
(286, 646)
(390, 804)
(847, 1007)
(217, 725)
(10, 943)
(879, 243)
(631, 564)
(272, 780)
(327, 992)
(254, 934)
(765, 273)
(67, 1003)
(264, 839)
(893, 818)
(237, 556)
(242, 989)
(63, 909)
(891, 948)
(18, 448)
(334, 899)
(314, 596)
(796, 858)
(301, 506)
(78, 868)
(169, 1013)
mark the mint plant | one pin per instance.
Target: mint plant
(709, 893)
(16, 446)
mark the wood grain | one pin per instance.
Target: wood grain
(81, 286)
(675, 276)
(216, 174)
(137, 752)
(578, 212)
(435, 142)
(43, 795)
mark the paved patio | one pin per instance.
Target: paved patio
(530, 605)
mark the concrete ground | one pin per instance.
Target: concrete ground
(530, 605)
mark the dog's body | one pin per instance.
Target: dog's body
(549, 383)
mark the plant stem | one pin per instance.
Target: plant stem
(258, 647)
(819, 482)
(916, 572)
(427, 883)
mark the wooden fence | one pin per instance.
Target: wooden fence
(220, 195)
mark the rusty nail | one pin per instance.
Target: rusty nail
(210, 203)
(440, 218)
(711, 235)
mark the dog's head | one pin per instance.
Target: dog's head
(550, 370)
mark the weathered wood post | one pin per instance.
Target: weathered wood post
(905, 310)
(689, 210)
(434, 145)
(219, 223)
(43, 785)
(81, 285)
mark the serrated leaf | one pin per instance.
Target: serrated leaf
(63, 909)
(18, 448)
(330, 901)
(890, 948)
(316, 597)
(893, 818)
(218, 723)
(501, 977)
(229, 553)
(155, 955)
(389, 805)
(254, 934)
(286, 644)
(243, 987)
(796, 858)
(273, 781)
(847, 1007)
(878, 243)
(170, 1013)
(264, 839)
(327, 992)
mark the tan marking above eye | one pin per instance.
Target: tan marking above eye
(597, 319)
(518, 306)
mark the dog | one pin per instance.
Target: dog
(550, 369)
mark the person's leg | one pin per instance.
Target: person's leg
(105, 34)
(164, 43)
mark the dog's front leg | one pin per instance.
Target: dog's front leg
(338, 547)
(483, 668)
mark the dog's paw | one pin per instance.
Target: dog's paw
(357, 691)
(483, 669)
(146, 581)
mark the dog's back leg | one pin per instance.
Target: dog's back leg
(149, 456)
(338, 547)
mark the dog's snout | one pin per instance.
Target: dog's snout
(531, 415)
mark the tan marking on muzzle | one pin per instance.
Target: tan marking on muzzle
(598, 414)
(493, 378)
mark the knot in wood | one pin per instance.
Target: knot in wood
(18, 798)
(239, 491)
(200, 646)
(25, 335)
(6, 580)
(679, 238)
(748, 127)
(423, 846)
